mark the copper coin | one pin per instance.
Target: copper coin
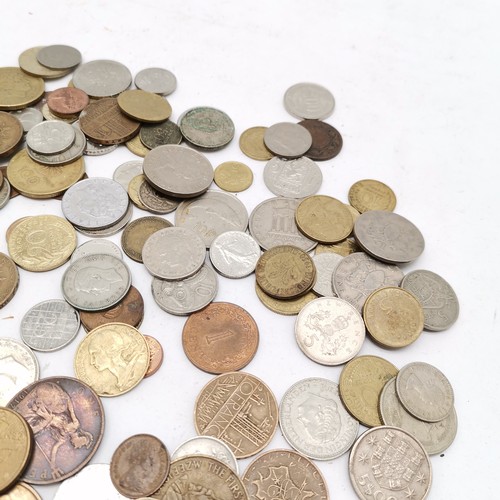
(67, 420)
(104, 123)
(221, 338)
(155, 355)
(9, 279)
(139, 466)
(11, 133)
(129, 310)
(67, 101)
(13, 190)
(326, 140)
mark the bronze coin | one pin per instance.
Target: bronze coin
(326, 140)
(11, 133)
(139, 466)
(104, 122)
(220, 338)
(155, 355)
(9, 279)
(13, 190)
(67, 420)
(129, 310)
(67, 101)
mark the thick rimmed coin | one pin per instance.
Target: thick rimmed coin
(67, 101)
(221, 338)
(19, 90)
(387, 462)
(12, 133)
(66, 408)
(92, 247)
(28, 62)
(29, 117)
(112, 359)
(239, 409)
(155, 355)
(287, 307)
(139, 466)
(287, 140)
(325, 264)
(285, 473)
(360, 385)
(233, 176)
(144, 106)
(326, 140)
(309, 100)
(437, 297)
(50, 137)
(21, 491)
(125, 172)
(102, 78)
(370, 194)
(59, 57)
(252, 144)
(157, 80)
(154, 201)
(160, 134)
(9, 279)
(313, 419)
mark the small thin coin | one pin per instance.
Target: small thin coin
(252, 144)
(158, 80)
(144, 106)
(370, 194)
(325, 264)
(19, 90)
(92, 247)
(155, 135)
(288, 307)
(9, 279)
(102, 78)
(59, 57)
(326, 140)
(154, 201)
(67, 101)
(50, 137)
(155, 355)
(287, 140)
(309, 100)
(11, 133)
(233, 176)
(28, 62)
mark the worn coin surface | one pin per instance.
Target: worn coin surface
(19, 90)
(239, 409)
(67, 101)
(287, 140)
(102, 78)
(233, 176)
(160, 134)
(59, 56)
(287, 307)
(9, 279)
(155, 355)
(144, 106)
(157, 80)
(21, 491)
(94, 246)
(28, 62)
(154, 201)
(370, 194)
(252, 144)
(12, 133)
(309, 100)
(326, 140)
(325, 264)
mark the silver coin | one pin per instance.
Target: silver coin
(389, 463)
(18, 368)
(212, 214)
(126, 172)
(154, 201)
(92, 148)
(50, 137)
(329, 330)
(4, 193)
(102, 78)
(157, 80)
(29, 117)
(111, 230)
(272, 223)
(50, 325)
(59, 57)
(424, 391)
(437, 297)
(358, 275)
(73, 153)
(96, 282)
(314, 421)
(388, 237)
(297, 178)
(435, 437)
(186, 296)
(234, 254)
(178, 171)
(325, 264)
(160, 134)
(309, 101)
(208, 446)
(95, 203)
(287, 140)
(92, 247)
(173, 253)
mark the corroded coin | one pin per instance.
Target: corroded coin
(233, 176)
(9, 279)
(19, 90)
(221, 338)
(112, 359)
(102, 78)
(154, 201)
(21, 491)
(28, 62)
(160, 134)
(12, 133)
(287, 140)
(326, 140)
(252, 144)
(67, 420)
(370, 194)
(288, 307)
(67, 101)
(155, 355)
(309, 100)
(239, 409)
(144, 106)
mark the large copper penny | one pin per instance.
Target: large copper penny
(67, 101)
(239, 409)
(139, 466)
(67, 420)
(155, 355)
(220, 338)
(326, 140)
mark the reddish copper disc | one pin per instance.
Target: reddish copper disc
(326, 140)
(155, 355)
(67, 101)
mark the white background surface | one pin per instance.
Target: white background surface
(416, 86)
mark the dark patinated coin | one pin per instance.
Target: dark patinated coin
(326, 140)
(166, 132)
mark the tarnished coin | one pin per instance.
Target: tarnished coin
(166, 132)
(388, 237)
(157, 80)
(144, 106)
(424, 391)
(389, 463)
(92, 247)
(28, 62)
(287, 307)
(9, 279)
(156, 202)
(139, 466)
(102, 78)
(252, 144)
(21, 491)
(233, 176)
(67, 101)
(239, 409)
(59, 56)
(155, 355)
(438, 299)
(12, 133)
(50, 137)
(112, 359)
(287, 140)
(66, 408)
(325, 264)
(313, 419)
(221, 338)
(370, 194)
(309, 100)
(126, 172)
(96, 282)
(360, 385)
(326, 140)
(109, 231)
(19, 90)
(285, 473)
(29, 117)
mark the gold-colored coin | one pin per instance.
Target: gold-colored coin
(252, 144)
(42, 242)
(112, 359)
(13, 225)
(21, 491)
(288, 307)
(29, 63)
(137, 147)
(393, 316)
(360, 385)
(324, 219)
(354, 213)
(133, 190)
(35, 180)
(48, 115)
(9, 279)
(144, 106)
(11, 133)
(18, 89)
(369, 194)
(16, 445)
(345, 247)
(233, 176)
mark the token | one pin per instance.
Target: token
(309, 100)
(28, 89)
(326, 140)
(59, 57)
(252, 144)
(287, 140)
(144, 106)
(102, 78)
(370, 194)
(158, 80)
(233, 176)
(12, 133)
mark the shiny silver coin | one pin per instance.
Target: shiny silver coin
(126, 172)
(92, 148)
(93, 247)
(160, 134)
(50, 137)
(111, 230)
(314, 421)
(4, 193)
(325, 264)
(96, 282)
(157, 80)
(50, 325)
(154, 201)
(59, 57)
(73, 153)
(29, 117)
(287, 140)
(309, 101)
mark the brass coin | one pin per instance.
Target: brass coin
(28, 62)
(354, 213)
(21, 491)
(252, 144)
(144, 106)
(133, 190)
(287, 307)
(233, 176)
(137, 147)
(16, 445)
(393, 316)
(13, 191)
(324, 219)
(35, 180)
(13, 225)
(360, 385)
(285, 272)
(18, 89)
(345, 247)
(9, 279)
(370, 194)
(112, 359)
(11, 133)
(155, 355)
(42, 242)
(240, 410)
